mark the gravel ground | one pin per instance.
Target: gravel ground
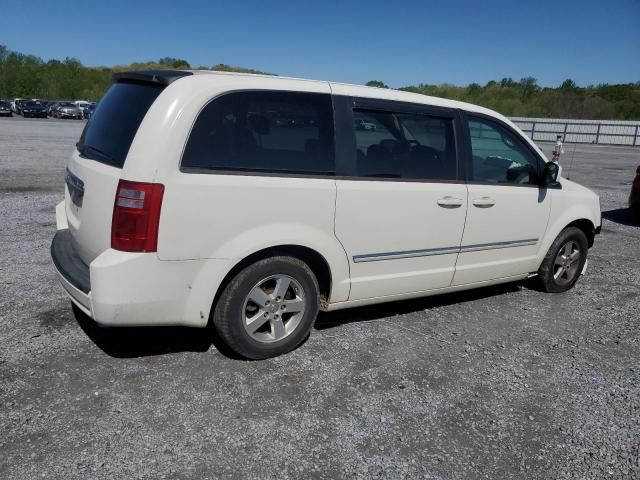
(503, 382)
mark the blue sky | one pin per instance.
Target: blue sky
(401, 43)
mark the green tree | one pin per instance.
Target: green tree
(171, 62)
(568, 86)
(528, 87)
(376, 83)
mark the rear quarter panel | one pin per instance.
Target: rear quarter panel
(218, 216)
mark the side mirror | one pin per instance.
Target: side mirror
(550, 175)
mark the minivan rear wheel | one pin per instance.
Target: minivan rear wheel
(268, 308)
(564, 262)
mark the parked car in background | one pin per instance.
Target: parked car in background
(361, 124)
(88, 109)
(52, 106)
(81, 104)
(450, 196)
(19, 104)
(634, 196)
(5, 108)
(67, 110)
(14, 105)
(33, 109)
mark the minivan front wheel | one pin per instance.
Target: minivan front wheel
(268, 308)
(564, 261)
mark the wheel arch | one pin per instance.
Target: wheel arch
(577, 216)
(316, 262)
(586, 226)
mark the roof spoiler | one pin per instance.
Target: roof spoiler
(159, 77)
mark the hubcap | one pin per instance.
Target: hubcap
(567, 262)
(273, 308)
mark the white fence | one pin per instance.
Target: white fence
(603, 132)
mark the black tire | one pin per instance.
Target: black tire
(577, 241)
(230, 314)
(635, 214)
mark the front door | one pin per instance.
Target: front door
(507, 212)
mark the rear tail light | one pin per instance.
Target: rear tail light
(136, 216)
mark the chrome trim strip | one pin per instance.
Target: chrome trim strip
(426, 252)
(490, 246)
(372, 257)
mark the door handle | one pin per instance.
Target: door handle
(450, 202)
(484, 202)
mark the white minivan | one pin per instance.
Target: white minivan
(252, 202)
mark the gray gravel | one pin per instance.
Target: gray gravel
(503, 382)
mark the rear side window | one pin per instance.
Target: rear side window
(108, 135)
(285, 132)
(405, 145)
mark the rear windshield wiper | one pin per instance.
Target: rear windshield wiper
(84, 149)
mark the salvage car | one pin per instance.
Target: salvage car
(67, 110)
(5, 108)
(185, 205)
(362, 124)
(33, 109)
(87, 110)
(18, 103)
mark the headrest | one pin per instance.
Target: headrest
(258, 123)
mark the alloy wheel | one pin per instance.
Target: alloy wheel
(567, 263)
(273, 308)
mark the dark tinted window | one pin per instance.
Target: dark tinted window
(108, 135)
(499, 155)
(401, 145)
(264, 131)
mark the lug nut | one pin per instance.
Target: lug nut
(276, 316)
(283, 307)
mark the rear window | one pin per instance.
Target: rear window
(108, 135)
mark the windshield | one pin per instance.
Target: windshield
(109, 133)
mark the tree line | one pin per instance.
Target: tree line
(525, 98)
(28, 76)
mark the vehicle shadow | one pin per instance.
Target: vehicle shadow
(134, 342)
(623, 216)
(382, 310)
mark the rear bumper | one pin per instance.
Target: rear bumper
(72, 271)
(134, 289)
